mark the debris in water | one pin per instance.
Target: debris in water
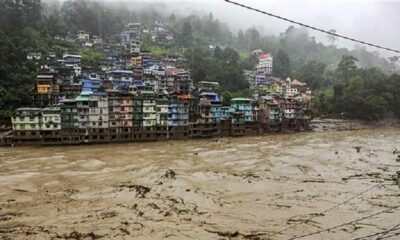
(169, 174)
(358, 149)
(141, 191)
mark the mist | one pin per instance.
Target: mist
(373, 21)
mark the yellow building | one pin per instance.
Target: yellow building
(136, 61)
(43, 89)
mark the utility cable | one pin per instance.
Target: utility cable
(311, 27)
(344, 224)
(323, 212)
(383, 233)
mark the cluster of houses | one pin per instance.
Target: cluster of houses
(142, 98)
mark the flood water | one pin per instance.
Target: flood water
(267, 187)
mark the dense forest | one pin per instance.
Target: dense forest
(349, 83)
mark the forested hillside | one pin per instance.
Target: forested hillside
(213, 52)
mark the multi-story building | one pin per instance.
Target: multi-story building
(51, 119)
(183, 82)
(144, 107)
(133, 32)
(70, 90)
(149, 107)
(215, 103)
(69, 114)
(204, 86)
(144, 114)
(70, 133)
(120, 105)
(136, 60)
(51, 125)
(98, 117)
(178, 116)
(265, 63)
(162, 116)
(114, 108)
(250, 77)
(47, 89)
(121, 79)
(178, 111)
(26, 125)
(135, 47)
(243, 105)
(126, 106)
(73, 60)
(162, 110)
(91, 85)
(82, 105)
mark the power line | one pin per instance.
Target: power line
(383, 233)
(325, 211)
(346, 223)
(311, 27)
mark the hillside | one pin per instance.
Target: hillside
(212, 51)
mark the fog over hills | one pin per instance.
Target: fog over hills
(372, 21)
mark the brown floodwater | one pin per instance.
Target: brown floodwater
(268, 187)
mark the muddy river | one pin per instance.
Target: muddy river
(325, 185)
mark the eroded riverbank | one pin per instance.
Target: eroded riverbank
(250, 187)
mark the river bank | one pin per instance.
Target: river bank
(233, 188)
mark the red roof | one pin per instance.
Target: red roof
(263, 56)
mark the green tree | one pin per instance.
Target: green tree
(281, 67)
(226, 98)
(312, 73)
(186, 35)
(347, 68)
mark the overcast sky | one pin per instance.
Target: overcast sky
(375, 21)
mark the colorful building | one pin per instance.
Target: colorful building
(69, 114)
(145, 108)
(26, 125)
(243, 105)
(215, 104)
(51, 119)
(47, 89)
(91, 85)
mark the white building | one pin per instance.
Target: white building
(73, 60)
(265, 63)
(135, 46)
(51, 118)
(98, 110)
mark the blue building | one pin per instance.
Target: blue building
(216, 104)
(91, 85)
(120, 79)
(178, 111)
(148, 62)
(243, 105)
